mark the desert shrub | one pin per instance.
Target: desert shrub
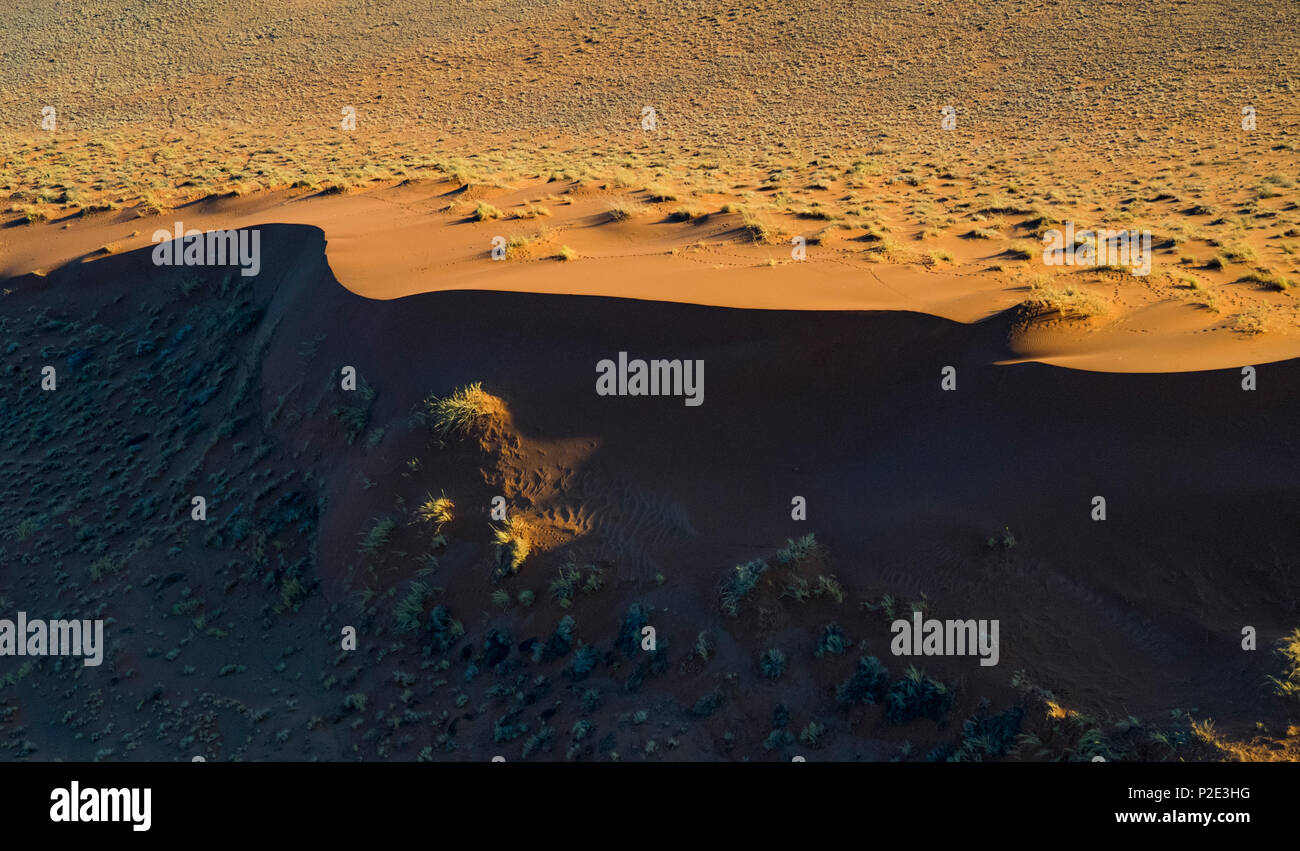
(915, 695)
(796, 551)
(496, 646)
(435, 512)
(624, 209)
(463, 410)
(1265, 278)
(740, 583)
(829, 586)
(565, 586)
(570, 580)
(687, 213)
(812, 734)
(1249, 323)
(512, 545)
(704, 644)
(356, 417)
(1068, 302)
(485, 211)
(778, 739)
(629, 631)
(595, 579)
(833, 641)
(584, 662)
(707, 705)
(760, 229)
(376, 538)
(659, 193)
(445, 629)
(941, 753)
(1005, 541)
(106, 565)
(867, 685)
(562, 640)
(1237, 252)
(772, 663)
(540, 739)
(1288, 648)
(987, 736)
(508, 728)
(407, 611)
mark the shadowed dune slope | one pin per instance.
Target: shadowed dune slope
(904, 482)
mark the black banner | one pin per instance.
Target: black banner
(137, 801)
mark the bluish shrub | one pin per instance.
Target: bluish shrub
(867, 685)
(915, 695)
(772, 663)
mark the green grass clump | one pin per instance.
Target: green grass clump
(377, 537)
(406, 614)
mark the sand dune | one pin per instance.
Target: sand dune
(828, 208)
(395, 242)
